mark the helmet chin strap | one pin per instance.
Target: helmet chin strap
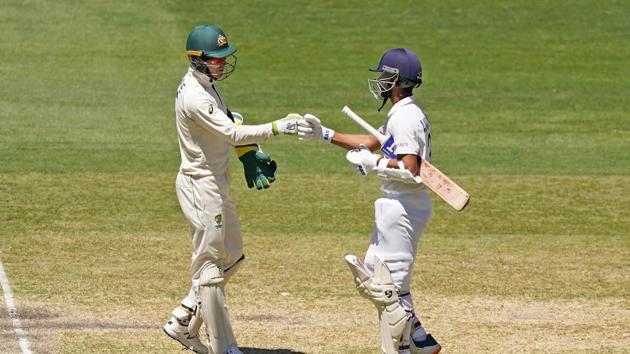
(386, 96)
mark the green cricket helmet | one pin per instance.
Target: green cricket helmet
(207, 43)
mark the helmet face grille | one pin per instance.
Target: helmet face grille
(384, 83)
(228, 67)
(214, 72)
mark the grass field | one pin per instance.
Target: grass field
(529, 109)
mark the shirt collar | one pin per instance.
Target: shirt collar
(201, 78)
(398, 105)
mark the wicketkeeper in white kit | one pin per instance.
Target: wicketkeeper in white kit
(207, 131)
(404, 210)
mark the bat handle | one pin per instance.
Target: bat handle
(358, 120)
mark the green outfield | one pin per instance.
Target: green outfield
(529, 106)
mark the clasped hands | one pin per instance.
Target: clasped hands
(260, 169)
(307, 127)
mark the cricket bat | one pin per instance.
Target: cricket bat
(432, 178)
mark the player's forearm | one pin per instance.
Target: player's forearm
(249, 134)
(219, 124)
(353, 141)
(239, 134)
(410, 163)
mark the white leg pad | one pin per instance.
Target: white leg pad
(194, 325)
(196, 320)
(394, 321)
(395, 328)
(213, 309)
(361, 276)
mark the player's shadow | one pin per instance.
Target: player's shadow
(268, 351)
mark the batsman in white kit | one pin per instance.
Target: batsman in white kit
(207, 131)
(404, 210)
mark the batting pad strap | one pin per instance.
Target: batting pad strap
(186, 308)
(405, 293)
(243, 149)
(227, 274)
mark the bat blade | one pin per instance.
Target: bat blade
(443, 186)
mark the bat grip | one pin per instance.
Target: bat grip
(355, 117)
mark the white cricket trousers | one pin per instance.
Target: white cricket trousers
(215, 230)
(399, 222)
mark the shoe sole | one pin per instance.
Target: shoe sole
(192, 349)
(437, 350)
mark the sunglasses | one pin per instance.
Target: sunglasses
(216, 61)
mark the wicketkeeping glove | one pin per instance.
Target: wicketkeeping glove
(286, 125)
(259, 168)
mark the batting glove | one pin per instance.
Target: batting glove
(286, 125)
(259, 168)
(311, 128)
(363, 159)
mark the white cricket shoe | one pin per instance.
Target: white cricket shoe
(180, 333)
(427, 346)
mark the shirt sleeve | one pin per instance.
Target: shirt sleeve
(405, 135)
(211, 118)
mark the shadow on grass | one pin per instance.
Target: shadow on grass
(268, 351)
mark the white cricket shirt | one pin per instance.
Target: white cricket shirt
(408, 124)
(205, 133)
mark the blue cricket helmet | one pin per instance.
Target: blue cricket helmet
(405, 63)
